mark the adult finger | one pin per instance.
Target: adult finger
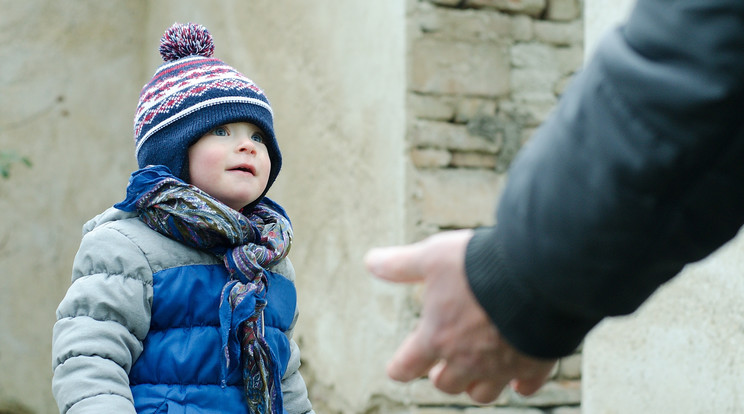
(396, 264)
(484, 392)
(528, 386)
(448, 378)
(413, 359)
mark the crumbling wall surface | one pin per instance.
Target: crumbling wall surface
(70, 75)
(68, 84)
(483, 74)
(396, 119)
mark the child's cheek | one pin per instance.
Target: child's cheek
(211, 158)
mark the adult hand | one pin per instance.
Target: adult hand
(455, 342)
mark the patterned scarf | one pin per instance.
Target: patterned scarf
(247, 246)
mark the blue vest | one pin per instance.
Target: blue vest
(181, 368)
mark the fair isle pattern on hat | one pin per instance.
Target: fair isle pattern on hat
(191, 94)
(184, 84)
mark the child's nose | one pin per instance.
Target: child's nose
(246, 144)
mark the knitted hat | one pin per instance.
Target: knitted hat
(191, 94)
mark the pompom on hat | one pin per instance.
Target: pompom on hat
(191, 94)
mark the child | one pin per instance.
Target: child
(182, 298)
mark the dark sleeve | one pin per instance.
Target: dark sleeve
(639, 171)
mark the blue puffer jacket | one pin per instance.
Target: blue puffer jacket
(138, 330)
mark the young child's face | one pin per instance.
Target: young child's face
(231, 163)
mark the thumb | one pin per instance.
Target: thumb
(396, 264)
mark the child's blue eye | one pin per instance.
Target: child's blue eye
(220, 132)
(257, 137)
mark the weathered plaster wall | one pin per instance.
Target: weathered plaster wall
(681, 352)
(69, 76)
(335, 74)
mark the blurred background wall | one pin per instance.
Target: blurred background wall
(70, 77)
(396, 118)
(69, 74)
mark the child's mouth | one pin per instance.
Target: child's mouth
(245, 169)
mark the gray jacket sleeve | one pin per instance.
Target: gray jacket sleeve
(101, 323)
(637, 172)
(294, 390)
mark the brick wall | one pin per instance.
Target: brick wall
(482, 75)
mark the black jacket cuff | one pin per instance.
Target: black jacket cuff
(525, 319)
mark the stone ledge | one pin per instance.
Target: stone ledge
(552, 394)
